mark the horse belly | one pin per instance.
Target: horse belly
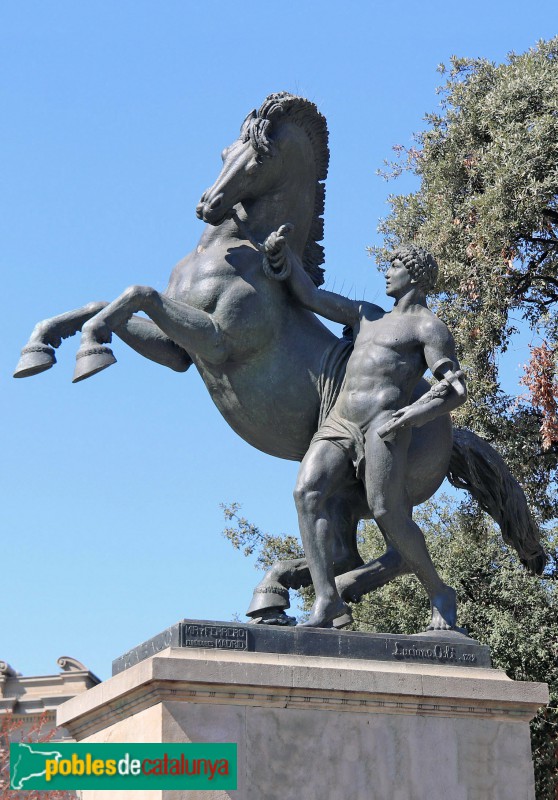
(273, 408)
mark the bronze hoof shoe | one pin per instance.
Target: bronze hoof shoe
(34, 358)
(91, 360)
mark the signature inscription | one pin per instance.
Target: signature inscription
(438, 652)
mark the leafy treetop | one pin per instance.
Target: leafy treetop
(487, 208)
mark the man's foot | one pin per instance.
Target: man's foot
(325, 612)
(444, 610)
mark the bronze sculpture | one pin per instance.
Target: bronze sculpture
(368, 430)
(273, 370)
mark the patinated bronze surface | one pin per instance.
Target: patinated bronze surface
(271, 367)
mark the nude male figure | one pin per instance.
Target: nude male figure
(369, 428)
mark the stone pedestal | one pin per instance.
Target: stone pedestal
(322, 727)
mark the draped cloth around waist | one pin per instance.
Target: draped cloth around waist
(332, 426)
(332, 375)
(345, 435)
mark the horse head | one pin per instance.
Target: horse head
(274, 172)
(252, 166)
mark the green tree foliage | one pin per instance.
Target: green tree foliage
(245, 536)
(487, 207)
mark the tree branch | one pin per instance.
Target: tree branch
(551, 240)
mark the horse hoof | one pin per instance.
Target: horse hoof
(91, 360)
(34, 358)
(273, 618)
(343, 621)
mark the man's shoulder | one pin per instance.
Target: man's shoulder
(428, 318)
(430, 326)
(369, 310)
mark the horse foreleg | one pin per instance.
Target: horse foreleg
(38, 354)
(140, 334)
(193, 330)
(147, 339)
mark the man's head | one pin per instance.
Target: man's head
(420, 265)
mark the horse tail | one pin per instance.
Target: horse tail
(477, 467)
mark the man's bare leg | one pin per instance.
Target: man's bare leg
(323, 471)
(385, 487)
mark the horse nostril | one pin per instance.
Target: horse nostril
(216, 203)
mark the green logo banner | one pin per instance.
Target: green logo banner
(78, 765)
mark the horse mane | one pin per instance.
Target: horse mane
(258, 127)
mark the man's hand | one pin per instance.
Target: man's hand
(276, 241)
(429, 406)
(403, 418)
(276, 260)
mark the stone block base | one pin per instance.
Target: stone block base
(318, 728)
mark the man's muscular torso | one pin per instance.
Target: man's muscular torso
(386, 364)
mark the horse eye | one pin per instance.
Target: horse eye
(252, 166)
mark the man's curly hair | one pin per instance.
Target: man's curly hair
(421, 266)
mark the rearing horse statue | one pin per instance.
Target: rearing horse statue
(272, 368)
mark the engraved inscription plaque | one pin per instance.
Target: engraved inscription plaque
(221, 637)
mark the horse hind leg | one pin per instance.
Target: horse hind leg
(38, 354)
(376, 573)
(362, 579)
(271, 595)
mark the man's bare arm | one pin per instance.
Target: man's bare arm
(330, 305)
(439, 354)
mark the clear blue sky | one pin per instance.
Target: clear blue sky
(113, 119)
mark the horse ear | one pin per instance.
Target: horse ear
(246, 125)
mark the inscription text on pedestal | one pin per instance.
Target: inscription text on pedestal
(221, 637)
